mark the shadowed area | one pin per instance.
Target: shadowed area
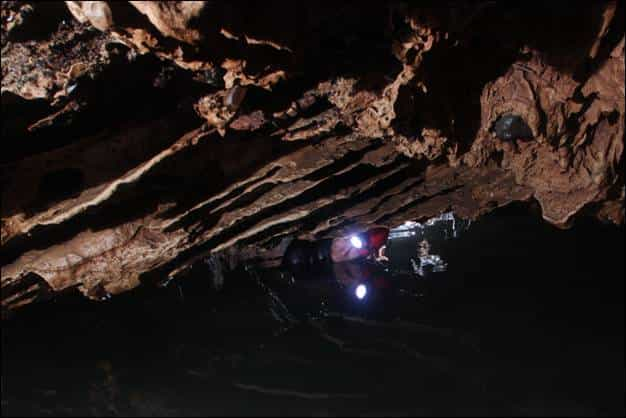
(514, 326)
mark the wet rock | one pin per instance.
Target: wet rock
(98, 13)
(279, 119)
(234, 97)
(511, 127)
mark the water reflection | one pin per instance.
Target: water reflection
(411, 250)
(382, 283)
(376, 336)
(361, 291)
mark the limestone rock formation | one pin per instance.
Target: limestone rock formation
(140, 137)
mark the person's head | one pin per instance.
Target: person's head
(359, 245)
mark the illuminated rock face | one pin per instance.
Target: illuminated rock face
(141, 137)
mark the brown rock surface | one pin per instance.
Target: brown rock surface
(143, 136)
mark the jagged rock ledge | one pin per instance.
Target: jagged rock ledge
(144, 136)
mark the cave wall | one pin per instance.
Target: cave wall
(140, 137)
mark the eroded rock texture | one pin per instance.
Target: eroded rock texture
(140, 137)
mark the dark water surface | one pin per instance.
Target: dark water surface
(524, 319)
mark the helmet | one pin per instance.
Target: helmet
(371, 240)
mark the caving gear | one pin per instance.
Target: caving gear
(305, 254)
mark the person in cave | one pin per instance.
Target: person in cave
(303, 255)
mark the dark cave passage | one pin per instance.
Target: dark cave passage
(326, 208)
(525, 319)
